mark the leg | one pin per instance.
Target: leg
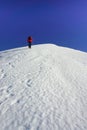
(29, 45)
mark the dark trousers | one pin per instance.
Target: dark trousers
(29, 44)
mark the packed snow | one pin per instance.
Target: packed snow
(43, 88)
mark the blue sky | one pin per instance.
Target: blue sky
(62, 22)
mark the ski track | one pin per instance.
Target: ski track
(44, 88)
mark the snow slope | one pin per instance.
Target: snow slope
(43, 88)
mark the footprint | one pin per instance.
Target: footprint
(8, 89)
(11, 65)
(11, 94)
(1, 102)
(3, 76)
(18, 101)
(29, 83)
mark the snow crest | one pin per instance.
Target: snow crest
(43, 88)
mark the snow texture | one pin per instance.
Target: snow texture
(43, 88)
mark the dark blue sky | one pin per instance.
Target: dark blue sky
(62, 22)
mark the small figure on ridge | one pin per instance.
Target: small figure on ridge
(29, 40)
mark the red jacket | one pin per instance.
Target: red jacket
(29, 40)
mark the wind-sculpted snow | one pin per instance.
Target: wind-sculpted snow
(43, 88)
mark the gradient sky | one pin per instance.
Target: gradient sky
(62, 22)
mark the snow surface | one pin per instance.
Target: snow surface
(43, 88)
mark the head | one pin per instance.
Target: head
(29, 37)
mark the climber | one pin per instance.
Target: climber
(29, 40)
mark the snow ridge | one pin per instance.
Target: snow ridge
(43, 88)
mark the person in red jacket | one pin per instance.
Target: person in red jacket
(29, 40)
